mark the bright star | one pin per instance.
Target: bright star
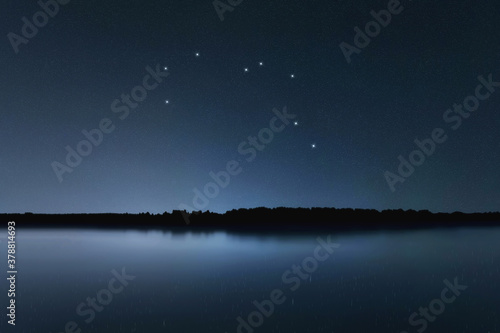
(246, 69)
(167, 101)
(197, 54)
(292, 76)
(261, 64)
(313, 146)
(165, 68)
(295, 123)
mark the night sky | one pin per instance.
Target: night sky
(338, 144)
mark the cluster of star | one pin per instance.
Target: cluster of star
(246, 70)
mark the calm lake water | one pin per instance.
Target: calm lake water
(193, 282)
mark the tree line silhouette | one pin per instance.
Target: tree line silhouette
(262, 219)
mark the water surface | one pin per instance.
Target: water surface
(195, 282)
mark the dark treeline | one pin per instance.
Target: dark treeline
(261, 219)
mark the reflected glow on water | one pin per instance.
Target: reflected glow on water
(193, 282)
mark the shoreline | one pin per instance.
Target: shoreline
(285, 220)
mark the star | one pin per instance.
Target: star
(313, 146)
(167, 101)
(295, 123)
(246, 69)
(292, 76)
(261, 63)
(197, 54)
(165, 68)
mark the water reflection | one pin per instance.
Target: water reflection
(193, 282)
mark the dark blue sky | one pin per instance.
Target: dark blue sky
(353, 119)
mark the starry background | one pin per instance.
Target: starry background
(360, 116)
